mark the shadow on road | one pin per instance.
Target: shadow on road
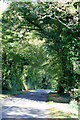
(25, 105)
(40, 119)
(23, 112)
(39, 95)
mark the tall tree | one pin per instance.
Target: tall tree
(58, 24)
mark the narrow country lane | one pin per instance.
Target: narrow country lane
(26, 105)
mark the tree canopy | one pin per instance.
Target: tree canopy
(41, 44)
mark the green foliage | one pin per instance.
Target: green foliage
(41, 45)
(9, 93)
(76, 95)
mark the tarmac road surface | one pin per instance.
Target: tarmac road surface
(26, 105)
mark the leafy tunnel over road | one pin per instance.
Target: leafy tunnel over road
(32, 105)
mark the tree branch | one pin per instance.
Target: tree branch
(64, 23)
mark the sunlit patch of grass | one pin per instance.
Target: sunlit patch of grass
(33, 90)
(74, 105)
(54, 113)
(3, 96)
(57, 112)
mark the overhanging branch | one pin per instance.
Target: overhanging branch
(64, 24)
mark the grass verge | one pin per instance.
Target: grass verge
(5, 93)
(11, 93)
(61, 106)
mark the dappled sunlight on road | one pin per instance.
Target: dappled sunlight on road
(26, 105)
(24, 112)
(33, 105)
